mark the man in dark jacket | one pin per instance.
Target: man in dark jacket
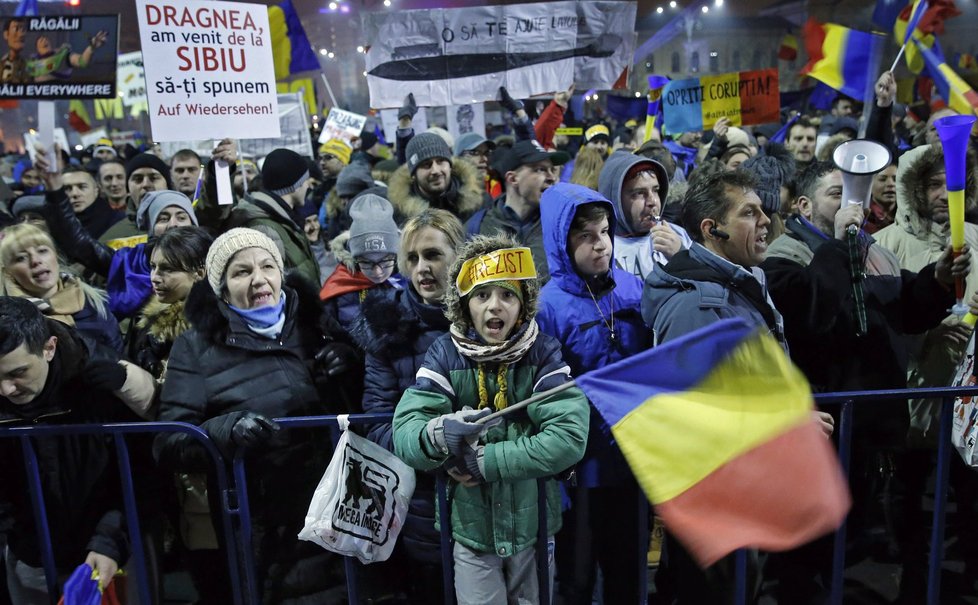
(90, 207)
(49, 374)
(812, 280)
(528, 170)
(273, 210)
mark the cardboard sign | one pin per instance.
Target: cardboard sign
(59, 57)
(209, 69)
(746, 97)
(569, 131)
(342, 124)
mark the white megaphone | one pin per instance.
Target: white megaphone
(859, 161)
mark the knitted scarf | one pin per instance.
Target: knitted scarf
(504, 353)
(68, 300)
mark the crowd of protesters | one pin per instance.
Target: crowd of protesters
(356, 281)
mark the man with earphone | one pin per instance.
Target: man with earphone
(716, 278)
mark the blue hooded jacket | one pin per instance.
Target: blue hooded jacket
(570, 313)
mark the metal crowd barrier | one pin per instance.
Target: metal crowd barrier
(235, 513)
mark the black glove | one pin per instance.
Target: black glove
(513, 105)
(106, 375)
(336, 358)
(253, 429)
(409, 108)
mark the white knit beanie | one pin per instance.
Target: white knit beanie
(230, 243)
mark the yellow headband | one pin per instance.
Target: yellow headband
(596, 130)
(499, 265)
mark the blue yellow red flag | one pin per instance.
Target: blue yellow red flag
(717, 429)
(950, 86)
(291, 50)
(840, 57)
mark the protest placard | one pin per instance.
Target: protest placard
(32, 137)
(131, 79)
(746, 97)
(208, 67)
(342, 124)
(463, 55)
(59, 57)
(294, 126)
(463, 119)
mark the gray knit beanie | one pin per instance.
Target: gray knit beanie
(773, 166)
(155, 201)
(230, 243)
(353, 179)
(373, 228)
(426, 146)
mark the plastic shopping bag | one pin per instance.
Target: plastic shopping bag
(964, 423)
(361, 502)
(81, 588)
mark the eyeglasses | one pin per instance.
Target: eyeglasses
(385, 264)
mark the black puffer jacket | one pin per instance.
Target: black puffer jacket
(218, 371)
(79, 474)
(396, 328)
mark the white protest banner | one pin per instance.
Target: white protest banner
(342, 124)
(59, 57)
(31, 137)
(208, 68)
(294, 126)
(92, 136)
(466, 118)
(131, 81)
(463, 55)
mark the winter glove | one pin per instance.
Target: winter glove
(468, 468)
(408, 109)
(106, 375)
(513, 105)
(336, 358)
(449, 433)
(253, 429)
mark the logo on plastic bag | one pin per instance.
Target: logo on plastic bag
(366, 510)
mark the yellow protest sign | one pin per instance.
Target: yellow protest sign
(568, 131)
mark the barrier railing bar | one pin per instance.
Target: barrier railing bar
(921, 393)
(444, 522)
(543, 544)
(936, 555)
(643, 530)
(24, 434)
(132, 519)
(40, 517)
(836, 583)
(252, 595)
(740, 576)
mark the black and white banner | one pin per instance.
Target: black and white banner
(463, 55)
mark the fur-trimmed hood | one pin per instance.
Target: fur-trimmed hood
(208, 314)
(408, 204)
(477, 246)
(164, 321)
(912, 210)
(342, 254)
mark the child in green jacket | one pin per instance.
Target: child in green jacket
(493, 357)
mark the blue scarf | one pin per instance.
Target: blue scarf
(264, 321)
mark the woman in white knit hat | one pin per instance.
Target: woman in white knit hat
(249, 357)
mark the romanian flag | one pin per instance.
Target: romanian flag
(291, 49)
(717, 429)
(789, 48)
(654, 108)
(922, 21)
(956, 92)
(78, 116)
(967, 62)
(841, 57)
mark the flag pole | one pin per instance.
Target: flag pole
(532, 399)
(329, 89)
(899, 54)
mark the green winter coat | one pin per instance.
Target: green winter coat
(499, 516)
(263, 212)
